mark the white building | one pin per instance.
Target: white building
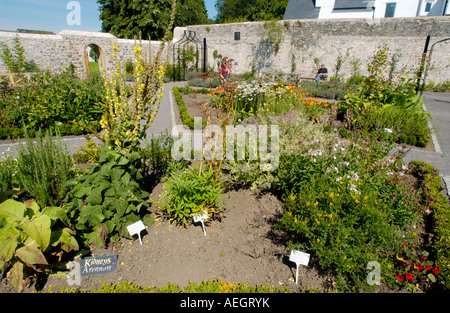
(326, 9)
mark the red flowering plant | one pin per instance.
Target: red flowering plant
(416, 271)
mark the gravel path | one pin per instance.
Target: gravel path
(438, 105)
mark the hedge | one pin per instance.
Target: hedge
(188, 120)
(430, 185)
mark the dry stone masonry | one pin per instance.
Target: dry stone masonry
(305, 41)
(287, 46)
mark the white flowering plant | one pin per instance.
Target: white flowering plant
(347, 202)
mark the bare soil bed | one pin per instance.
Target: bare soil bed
(243, 247)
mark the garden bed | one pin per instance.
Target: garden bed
(243, 247)
(343, 209)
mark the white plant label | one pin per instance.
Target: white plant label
(135, 229)
(201, 218)
(298, 258)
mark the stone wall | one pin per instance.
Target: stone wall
(56, 52)
(304, 41)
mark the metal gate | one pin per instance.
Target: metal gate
(189, 54)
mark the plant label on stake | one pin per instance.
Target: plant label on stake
(135, 229)
(298, 258)
(201, 218)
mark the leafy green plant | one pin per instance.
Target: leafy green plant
(436, 205)
(43, 167)
(15, 61)
(383, 101)
(157, 153)
(32, 239)
(8, 177)
(107, 198)
(65, 102)
(416, 270)
(189, 192)
(348, 202)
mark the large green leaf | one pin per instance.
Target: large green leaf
(123, 161)
(56, 213)
(80, 191)
(116, 174)
(32, 205)
(121, 207)
(38, 229)
(93, 214)
(68, 241)
(12, 211)
(15, 276)
(31, 255)
(8, 244)
(95, 197)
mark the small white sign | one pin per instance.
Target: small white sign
(201, 218)
(135, 229)
(298, 258)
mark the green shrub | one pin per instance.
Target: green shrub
(63, 101)
(107, 198)
(187, 120)
(409, 126)
(185, 117)
(347, 202)
(157, 154)
(8, 176)
(200, 82)
(43, 167)
(430, 188)
(189, 192)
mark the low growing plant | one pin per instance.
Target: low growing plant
(107, 198)
(32, 240)
(43, 167)
(190, 192)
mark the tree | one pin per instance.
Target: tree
(191, 12)
(148, 18)
(94, 53)
(249, 10)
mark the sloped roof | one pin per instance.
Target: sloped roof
(301, 9)
(350, 4)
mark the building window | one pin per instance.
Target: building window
(237, 35)
(390, 9)
(428, 6)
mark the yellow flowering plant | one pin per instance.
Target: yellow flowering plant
(127, 118)
(109, 196)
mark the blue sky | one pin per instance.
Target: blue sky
(51, 15)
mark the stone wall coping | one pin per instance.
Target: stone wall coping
(31, 36)
(84, 34)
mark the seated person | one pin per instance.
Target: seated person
(322, 73)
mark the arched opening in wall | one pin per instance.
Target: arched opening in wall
(94, 59)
